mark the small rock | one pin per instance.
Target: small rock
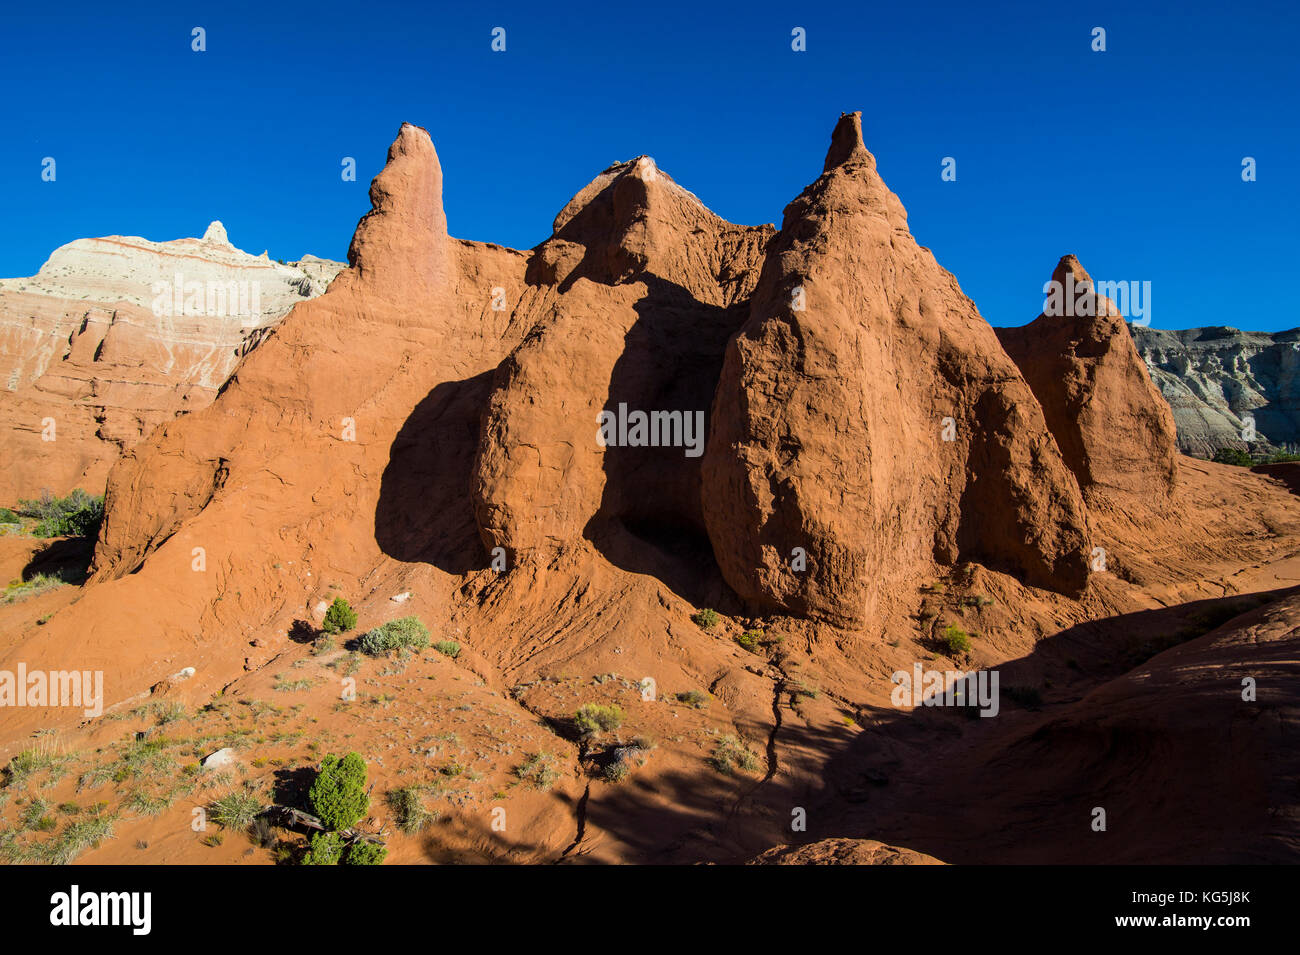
(402, 597)
(219, 759)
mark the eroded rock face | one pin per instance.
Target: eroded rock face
(392, 426)
(400, 248)
(867, 414)
(116, 335)
(1218, 380)
(1114, 428)
(473, 420)
(372, 392)
(643, 287)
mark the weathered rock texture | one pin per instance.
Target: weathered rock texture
(844, 852)
(1113, 427)
(442, 396)
(639, 289)
(860, 357)
(116, 335)
(1213, 378)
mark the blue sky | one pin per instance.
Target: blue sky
(1131, 158)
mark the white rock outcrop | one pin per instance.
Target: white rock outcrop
(115, 335)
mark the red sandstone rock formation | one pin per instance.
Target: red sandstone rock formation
(867, 415)
(443, 395)
(641, 286)
(1114, 428)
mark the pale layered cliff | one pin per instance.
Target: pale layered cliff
(114, 335)
(1217, 379)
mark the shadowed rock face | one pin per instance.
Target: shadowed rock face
(1113, 427)
(859, 357)
(638, 291)
(1217, 379)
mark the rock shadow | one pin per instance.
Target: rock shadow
(651, 514)
(426, 509)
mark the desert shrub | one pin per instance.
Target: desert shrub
(262, 833)
(33, 814)
(1277, 457)
(364, 853)
(448, 648)
(750, 640)
(338, 795)
(1233, 456)
(706, 618)
(593, 718)
(799, 689)
(730, 754)
(47, 505)
(167, 712)
(616, 771)
(7, 516)
(624, 759)
(955, 639)
(407, 804)
(85, 521)
(147, 758)
(326, 849)
(145, 804)
(27, 764)
(77, 515)
(401, 634)
(339, 618)
(348, 664)
(73, 841)
(36, 584)
(694, 699)
(539, 770)
(235, 810)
